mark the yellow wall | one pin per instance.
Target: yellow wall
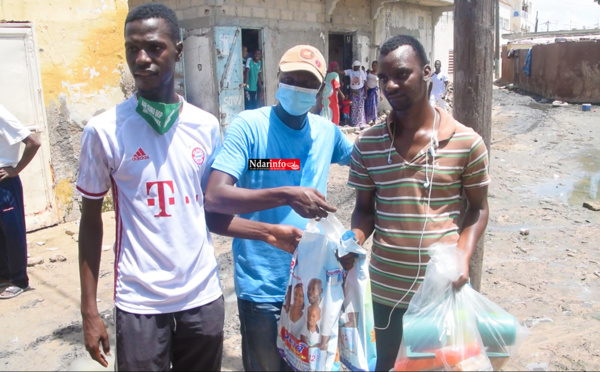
(80, 49)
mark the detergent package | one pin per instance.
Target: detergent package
(308, 327)
(357, 328)
(454, 330)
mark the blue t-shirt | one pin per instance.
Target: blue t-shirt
(261, 270)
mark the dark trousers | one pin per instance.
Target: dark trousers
(13, 239)
(258, 326)
(189, 340)
(387, 340)
(251, 99)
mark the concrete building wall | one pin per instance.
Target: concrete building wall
(83, 71)
(567, 71)
(408, 19)
(284, 23)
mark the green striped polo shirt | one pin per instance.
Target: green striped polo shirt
(402, 216)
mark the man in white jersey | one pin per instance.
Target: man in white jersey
(155, 151)
(438, 87)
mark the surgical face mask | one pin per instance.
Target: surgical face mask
(296, 100)
(160, 116)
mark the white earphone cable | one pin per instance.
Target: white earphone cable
(428, 183)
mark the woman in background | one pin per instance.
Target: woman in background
(373, 96)
(329, 104)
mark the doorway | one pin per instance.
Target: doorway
(22, 93)
(340, 50)
(252, 41)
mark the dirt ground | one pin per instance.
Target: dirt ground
(545, 163)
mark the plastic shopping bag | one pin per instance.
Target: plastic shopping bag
(357, 332)
(308, 326)
(454, 330)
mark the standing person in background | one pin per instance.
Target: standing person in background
(244, 57)
(438, 87)
(253, 83)
(330, 107)
(373, 96)
(345, 112)
(357, 94)
(13, 234)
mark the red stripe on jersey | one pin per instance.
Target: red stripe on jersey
(118, 235)
(141, 151)
(91, 194)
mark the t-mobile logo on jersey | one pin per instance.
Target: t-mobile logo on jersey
(164, 187)
(162, 200)
(274, 164)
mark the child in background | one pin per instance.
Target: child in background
(345, 112)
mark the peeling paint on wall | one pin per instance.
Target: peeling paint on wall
(83, 72)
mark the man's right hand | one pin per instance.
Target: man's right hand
(309, 203)
(94, 333)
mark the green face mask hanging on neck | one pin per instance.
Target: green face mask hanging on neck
(160, 116)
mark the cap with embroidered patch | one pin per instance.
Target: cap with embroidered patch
(304, 58)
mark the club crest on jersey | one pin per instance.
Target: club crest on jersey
(140, 155)
(198, 155)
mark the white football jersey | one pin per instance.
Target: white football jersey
(164, 257)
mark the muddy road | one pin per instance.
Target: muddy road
(545, 163)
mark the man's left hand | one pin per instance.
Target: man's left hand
(8, 172)
(285, 237)
(463, 279)
(347, 261)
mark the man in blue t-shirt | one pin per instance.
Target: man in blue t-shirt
(285, 136)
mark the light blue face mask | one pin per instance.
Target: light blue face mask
(296, 100)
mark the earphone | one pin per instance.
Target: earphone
(433, 145)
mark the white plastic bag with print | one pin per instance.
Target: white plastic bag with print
(357, 328)
(454, 330)
(308, 327)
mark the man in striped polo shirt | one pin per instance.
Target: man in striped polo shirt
(410, 174)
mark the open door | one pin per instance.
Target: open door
(228, 42)
(21, 94)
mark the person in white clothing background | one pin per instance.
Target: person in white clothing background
(358, 92)
(438, 87)
(13, 238)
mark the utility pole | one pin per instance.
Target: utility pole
(536, 20)
(473, 72)
(497, 54)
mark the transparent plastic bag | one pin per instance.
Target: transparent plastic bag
(454, 330)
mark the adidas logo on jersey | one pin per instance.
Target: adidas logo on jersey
(140, 155)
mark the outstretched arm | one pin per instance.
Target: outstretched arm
(473, 227)
(223, 197)
(90, 250)
(284, 237)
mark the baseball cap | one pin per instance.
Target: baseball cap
(304, 58)
(355, 63)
